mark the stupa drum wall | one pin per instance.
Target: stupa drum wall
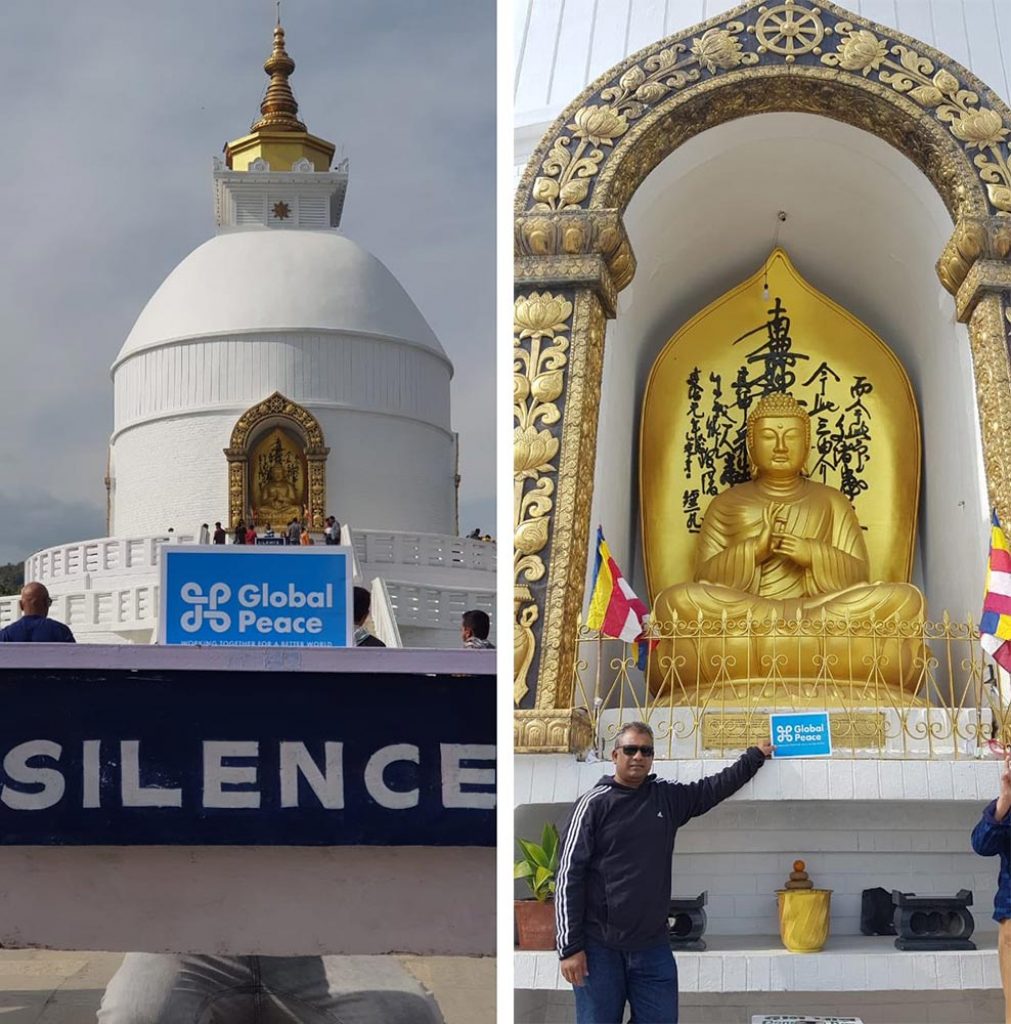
(172, 472)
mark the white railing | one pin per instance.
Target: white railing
(124, 555)
(133, 607)
(382, 614)
(436, 607)
(377, 547)
(118, 555)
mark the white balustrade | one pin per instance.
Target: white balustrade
(134, 607)
(127, 555)
(438, 608)
(113, 555)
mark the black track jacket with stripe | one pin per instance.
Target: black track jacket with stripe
(614, 874)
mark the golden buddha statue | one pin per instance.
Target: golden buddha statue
(278, 501)
(788, 554)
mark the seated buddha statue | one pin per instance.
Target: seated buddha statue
(788, 552)
(278, 502)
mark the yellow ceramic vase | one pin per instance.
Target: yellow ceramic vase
(803, 918)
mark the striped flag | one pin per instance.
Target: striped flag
(995, 625)
(614, 609)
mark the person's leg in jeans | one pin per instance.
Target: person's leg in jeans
(156, 988)
(601, 997)
(652, 980)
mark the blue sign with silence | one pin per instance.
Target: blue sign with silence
(300, 758)
(248, 596)
(801, 735)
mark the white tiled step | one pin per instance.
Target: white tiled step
(848, 963)
(560, 778)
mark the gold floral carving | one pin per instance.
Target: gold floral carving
(541, 344)
(273, 409)
(937, 89)
(576, 156)
(563, 594)
(552, 732)
(974, 238)
(577, 233)
(598, 151)
(988, 337)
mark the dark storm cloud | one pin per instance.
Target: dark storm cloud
(106, 186)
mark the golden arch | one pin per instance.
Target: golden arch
(573, 256)
(277, 410)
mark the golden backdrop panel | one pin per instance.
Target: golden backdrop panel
(277, 474)
(776, 332)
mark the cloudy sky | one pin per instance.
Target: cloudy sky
(114, 110)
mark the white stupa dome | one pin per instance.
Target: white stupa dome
(268, 280)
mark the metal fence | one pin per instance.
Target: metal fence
(893, 688)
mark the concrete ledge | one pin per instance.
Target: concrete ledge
(759, 963)
(560, 779)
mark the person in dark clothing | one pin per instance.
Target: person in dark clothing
(240, 533)
(614, 881)
(992, 837)
(35, 626)
(363, 603)
(219, 534)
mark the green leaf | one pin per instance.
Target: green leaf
(533, 853)
(549, 841)
(522, 869)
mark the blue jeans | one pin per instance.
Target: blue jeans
(647, 981)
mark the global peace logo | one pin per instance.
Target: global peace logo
(205, 607)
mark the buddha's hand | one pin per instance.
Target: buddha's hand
(796, 549)
(765, 544)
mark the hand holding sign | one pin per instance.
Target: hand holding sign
(801, 735)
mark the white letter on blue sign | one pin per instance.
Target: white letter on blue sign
(329, 788)
(454, 777)
(17, 768)
(392, 799)
(217, 775)
(133, 793)
(91, 781)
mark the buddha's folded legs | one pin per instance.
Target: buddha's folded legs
(861, 645)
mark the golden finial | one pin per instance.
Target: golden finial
(279, 109)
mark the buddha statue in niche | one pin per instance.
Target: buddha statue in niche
(781, 547)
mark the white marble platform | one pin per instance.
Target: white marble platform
(759, 963)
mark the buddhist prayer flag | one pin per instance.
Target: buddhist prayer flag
(614, 609)
(995, 625)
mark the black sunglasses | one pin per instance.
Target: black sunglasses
(630, 750)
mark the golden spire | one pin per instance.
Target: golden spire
(279, 108)
(279, 137)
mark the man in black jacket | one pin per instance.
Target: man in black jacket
(614, 881)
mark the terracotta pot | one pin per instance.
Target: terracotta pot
(535, 924)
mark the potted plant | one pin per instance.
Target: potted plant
(535, 917)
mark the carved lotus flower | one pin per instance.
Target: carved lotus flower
(531, 536)
(533, 450)
(716, 48)
(979, 128)
(862, 51)
(540, 314)
(599, 125)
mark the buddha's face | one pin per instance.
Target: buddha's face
(276, 473)
(780, 445)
